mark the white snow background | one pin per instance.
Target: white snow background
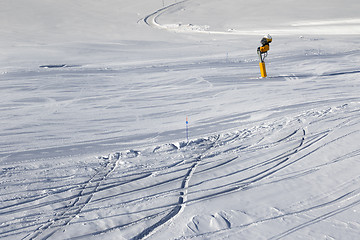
(94, 97)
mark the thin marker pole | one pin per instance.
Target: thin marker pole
(187, 129)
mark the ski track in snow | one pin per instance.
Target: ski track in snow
(62, 218)
(324, 27)
(140, 193)
(194, 172)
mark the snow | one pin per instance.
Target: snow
(95, 96)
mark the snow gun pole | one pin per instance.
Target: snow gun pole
(187, 129)
(262, 52)
(262, 68)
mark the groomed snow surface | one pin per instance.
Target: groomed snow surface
(94, 100)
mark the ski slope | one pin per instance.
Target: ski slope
(95, 97)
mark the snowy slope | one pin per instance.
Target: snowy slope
(94, 100)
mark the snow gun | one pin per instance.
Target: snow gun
(262, 52)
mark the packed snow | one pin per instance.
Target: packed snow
(95, 95)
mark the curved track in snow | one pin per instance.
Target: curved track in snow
(158, 188)
(152, 21)
(337, 27)
(178, 189)
(151, 18)
(273, 158)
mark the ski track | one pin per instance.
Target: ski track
(189, 179)
(341, 199)
(310, 144)
(151, 19)
(63, 218)
(191, 173)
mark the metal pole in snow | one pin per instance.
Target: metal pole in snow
(187, 129)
